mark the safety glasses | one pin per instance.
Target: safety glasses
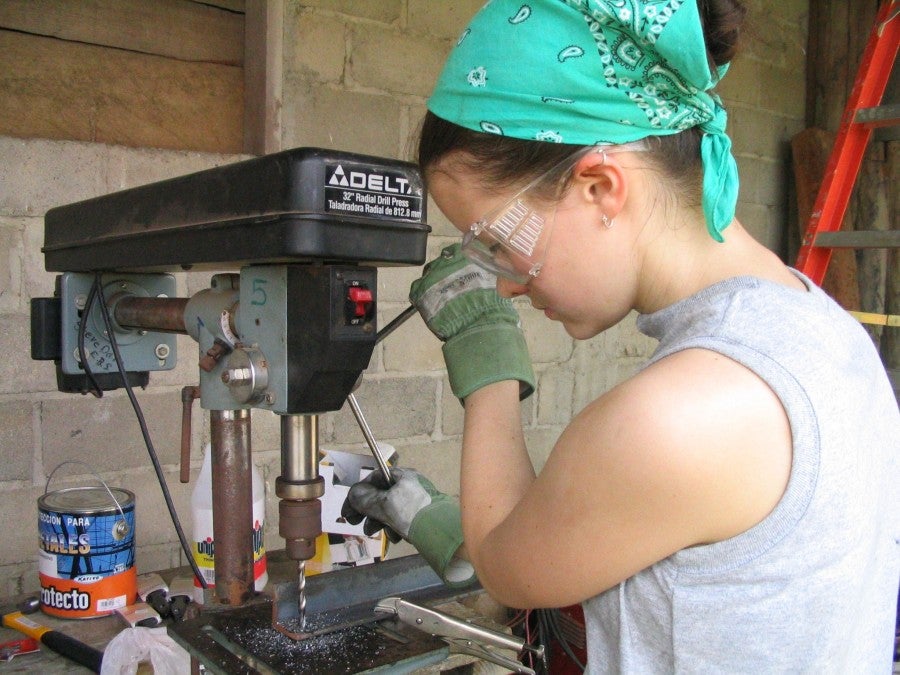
(511, 241)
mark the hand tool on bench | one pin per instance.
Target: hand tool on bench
(59, 642)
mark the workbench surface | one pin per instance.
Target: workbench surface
(100, 631)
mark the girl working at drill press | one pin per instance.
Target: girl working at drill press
(732, 506)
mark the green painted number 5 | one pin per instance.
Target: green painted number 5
(258, 295)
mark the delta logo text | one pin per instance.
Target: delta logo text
(370, 180)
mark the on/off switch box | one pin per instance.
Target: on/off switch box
(360, 304)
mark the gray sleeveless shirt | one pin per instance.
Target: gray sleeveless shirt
(813, 587)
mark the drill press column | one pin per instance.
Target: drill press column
(232, 486)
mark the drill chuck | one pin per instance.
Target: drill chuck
(300, 523)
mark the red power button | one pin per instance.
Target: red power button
(361, 299)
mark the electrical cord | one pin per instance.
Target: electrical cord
(82, 332)
(541, 627)
(517, 619)
(544, 637)
(553, 631)
(528, 637)
(97, 290)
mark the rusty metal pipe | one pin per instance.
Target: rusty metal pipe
(232, 498)
(165, 315)
(188, 395)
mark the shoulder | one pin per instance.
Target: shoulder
(692, 450)
(705, 432)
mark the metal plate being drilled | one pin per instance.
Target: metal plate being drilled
(345, 637)
(244, 641)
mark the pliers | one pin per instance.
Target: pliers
(462, 636)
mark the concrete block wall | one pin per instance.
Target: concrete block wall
(764, 93)
(356, 75)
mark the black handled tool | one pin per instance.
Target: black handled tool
(62, 644)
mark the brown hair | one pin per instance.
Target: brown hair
(502, 161)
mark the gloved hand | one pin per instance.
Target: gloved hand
(414, 509)
(483, 340)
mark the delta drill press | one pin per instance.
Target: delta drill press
(287, 325)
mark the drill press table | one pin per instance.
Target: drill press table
(357, 648)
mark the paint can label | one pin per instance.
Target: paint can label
(86, 557)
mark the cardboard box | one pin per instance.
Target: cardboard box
(342, 544)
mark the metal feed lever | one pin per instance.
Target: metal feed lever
(370, 438)
(357, 411)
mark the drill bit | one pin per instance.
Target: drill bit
(301, 593)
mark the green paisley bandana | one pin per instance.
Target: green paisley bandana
(590, 72)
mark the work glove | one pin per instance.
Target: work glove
(413, 509)
(483, 339)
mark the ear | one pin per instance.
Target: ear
(602, 182)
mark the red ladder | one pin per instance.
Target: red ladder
(862, 114)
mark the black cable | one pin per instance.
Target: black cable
(545, 637)
(559, 636)
(104, 311)
(82, 330)
(548, 632)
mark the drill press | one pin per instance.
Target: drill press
(290, 332)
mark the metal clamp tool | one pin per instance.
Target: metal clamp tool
(462, 636)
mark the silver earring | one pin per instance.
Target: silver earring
(607, 221)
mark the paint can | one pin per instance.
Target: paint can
(86, 558)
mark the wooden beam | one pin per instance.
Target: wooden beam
(263, 80)
(66, 90)
(230, 5)
(188, 31)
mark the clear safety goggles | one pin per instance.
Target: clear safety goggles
(511, 241)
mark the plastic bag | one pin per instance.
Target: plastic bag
(135, 645)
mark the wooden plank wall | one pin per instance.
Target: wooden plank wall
(167, 73)
(263, 75)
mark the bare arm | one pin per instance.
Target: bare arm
(693, 450)
(495, 469)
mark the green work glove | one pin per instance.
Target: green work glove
(414, 509)
(483, 339)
